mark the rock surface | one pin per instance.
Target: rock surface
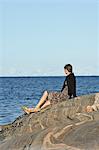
(63, 126)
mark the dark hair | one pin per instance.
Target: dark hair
(68, 67)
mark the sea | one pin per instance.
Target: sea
(16, 92)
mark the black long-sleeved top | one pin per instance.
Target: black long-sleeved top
(70, 82)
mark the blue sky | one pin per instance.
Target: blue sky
(38, 37)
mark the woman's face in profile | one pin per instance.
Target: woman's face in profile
(66, 72)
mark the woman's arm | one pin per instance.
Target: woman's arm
(64, 85)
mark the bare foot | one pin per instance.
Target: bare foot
(36, 109)
(27, 110)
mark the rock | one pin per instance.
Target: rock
(63, 126)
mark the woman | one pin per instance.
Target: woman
(68, 91)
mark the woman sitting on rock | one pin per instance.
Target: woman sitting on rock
(95, 106)
(68, 91)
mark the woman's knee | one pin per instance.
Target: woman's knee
(46, 93)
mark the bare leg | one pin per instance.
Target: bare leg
(47, 103)
(42, 100)
(37, 108)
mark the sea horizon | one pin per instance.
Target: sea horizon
(26, 76)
